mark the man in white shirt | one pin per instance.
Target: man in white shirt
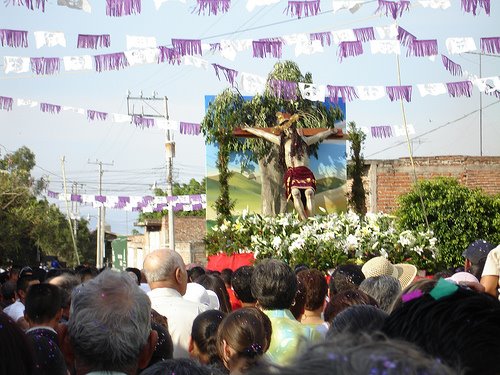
(16, 310)
(167, 276)
(491, 272)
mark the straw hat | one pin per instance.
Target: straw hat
(379, 266)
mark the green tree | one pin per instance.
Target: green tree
(31, 227)
(456, 214)
(357, 196)
(229, 111)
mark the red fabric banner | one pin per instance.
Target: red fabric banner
(220, 261)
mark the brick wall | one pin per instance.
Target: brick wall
(385, 180)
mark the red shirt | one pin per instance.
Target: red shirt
(235, 302)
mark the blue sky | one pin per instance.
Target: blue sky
(443, 125)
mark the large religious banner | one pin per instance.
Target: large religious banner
(329, 168)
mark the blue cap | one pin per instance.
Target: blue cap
(477, 250)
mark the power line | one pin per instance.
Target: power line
(432, 130)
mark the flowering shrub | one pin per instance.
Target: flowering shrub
(323, 242)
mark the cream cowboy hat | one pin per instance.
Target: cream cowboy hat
(379, 266)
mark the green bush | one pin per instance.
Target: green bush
(456, 215)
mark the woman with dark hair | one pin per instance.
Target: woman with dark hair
(203, 341)
(216, 284)
(357, 319)
(345, 299)
(242, 339)
(316, 290)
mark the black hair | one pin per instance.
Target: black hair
(344, 299)
(23, 282)
(241, 283)
(8, 290)
(195, 272)
(274, 284)
(344, 277)
(204, 333)
(477, 268)
(299, 302)
(226, 275)
(164, 348)
(462, 329)
(16, 355)
(136, 272)
(214, 283)
(360, 355)
(180, 366)
(356, 319)
(43, 302)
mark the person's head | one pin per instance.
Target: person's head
(361, 355)
(457, 325)
(384, 289)
(316, 288)
(298, 305)
(195, 272)
(273, 284)
(214, 283)
(43, 305)
(16, 353)
(422, 285)
(475, 257)
(136, 272)
(86, 273)
(242, 339)
(23, 284)
(226, 274)
(343, 300)
(14, 273)
(109, 328)
(203, 344)
(356, 319)
(241, 282)
(180, 366)
(8, 290)
(66, 282)
(345, 277)
(164, 348)
(166, 269)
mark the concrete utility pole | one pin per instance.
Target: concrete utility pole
(77, 258)
(75, 212)
(101, 215)
(151, 111)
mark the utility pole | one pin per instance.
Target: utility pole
(77, 258)
(75, 212)
(101, 215)
(152, 111)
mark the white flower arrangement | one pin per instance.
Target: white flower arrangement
(323, 241)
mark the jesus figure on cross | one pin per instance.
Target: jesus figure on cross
(300, 183)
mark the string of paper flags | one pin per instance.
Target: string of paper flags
(143, 49)
(185, 128)
(294, 8)
(147, 203)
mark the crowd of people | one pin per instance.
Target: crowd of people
(267, 318)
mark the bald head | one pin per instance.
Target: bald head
(165, 269)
